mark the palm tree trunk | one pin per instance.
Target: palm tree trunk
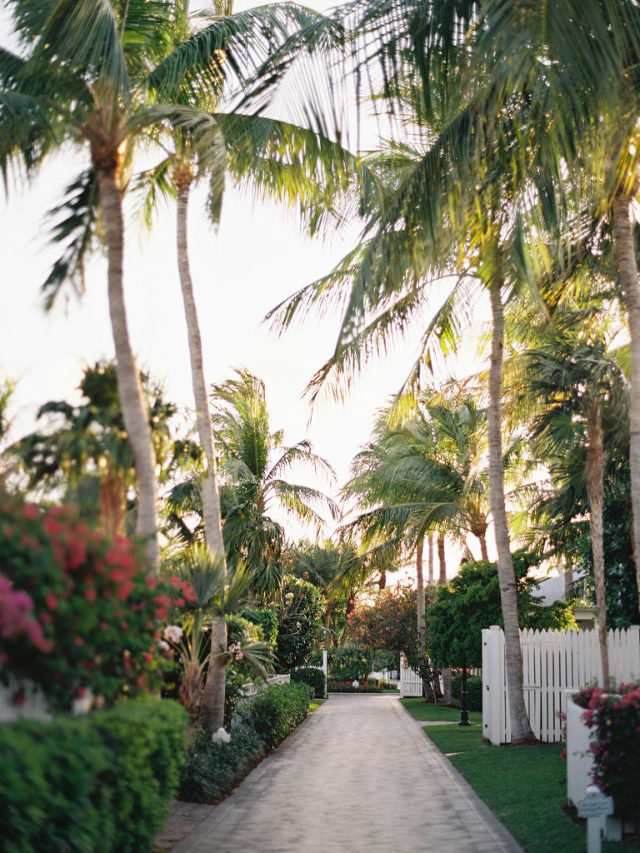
(442, 561)
(595, 490)
(212, 707)
(625, 248)
(420, 627)
(430, 558)
(129, 388)
(520, 728)
(113, 504)
(442, 579)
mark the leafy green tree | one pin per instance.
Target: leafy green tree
(300, 614)
(471, 602)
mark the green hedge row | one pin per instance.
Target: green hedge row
(278, 710)
(212, 769)
(102, 781)
(474, 690)
(313, 677)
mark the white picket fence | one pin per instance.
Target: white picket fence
(554, 662)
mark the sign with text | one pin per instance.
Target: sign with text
(594, 805)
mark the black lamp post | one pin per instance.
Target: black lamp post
(464, 700)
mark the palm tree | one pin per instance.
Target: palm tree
(85, 449)
(78, 83)
(584, 115)
(578, 383)
(253, 465)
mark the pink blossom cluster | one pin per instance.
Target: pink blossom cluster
(16, 616)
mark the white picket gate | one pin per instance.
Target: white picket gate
(553, 662)
(410, 680)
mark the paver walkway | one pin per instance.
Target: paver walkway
(358, 775)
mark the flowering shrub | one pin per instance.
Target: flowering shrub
(299, 623)
(77, 609)
(614, 718)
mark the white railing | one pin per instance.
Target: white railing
(252, 689)
(553, 662)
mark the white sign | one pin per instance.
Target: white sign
(594, 805)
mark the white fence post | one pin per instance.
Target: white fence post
(492, 684)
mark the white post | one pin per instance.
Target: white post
(325, 669)
(492, 687)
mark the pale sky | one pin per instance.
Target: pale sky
(257, 258)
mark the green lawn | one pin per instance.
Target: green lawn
(524, 786)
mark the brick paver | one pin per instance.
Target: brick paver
(358, 775)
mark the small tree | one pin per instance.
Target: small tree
(299, 623)
(471, 602)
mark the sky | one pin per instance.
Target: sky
(257, 258)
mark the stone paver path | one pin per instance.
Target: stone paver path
(359, 776)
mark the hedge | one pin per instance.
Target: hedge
(313, 677)
(102, 781)
(474, 690)
(278, 710)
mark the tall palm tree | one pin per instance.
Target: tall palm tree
(78, 84)
(584, 114)
(253, 465)
(578, 384)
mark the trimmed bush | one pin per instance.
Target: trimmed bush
(335, 686)
(474, 690)
(212, 768)
(350, 662)
(313, 677)
(278, 710)
(98, 782)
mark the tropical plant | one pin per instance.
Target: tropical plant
(84, 449)
(77, 82)
(253, 480)
(217, 593)
(581, 388)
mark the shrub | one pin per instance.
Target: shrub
(349, 662)
(474, 690)
(278, 710)
(313, 677)
(335, 686)
(82, 610)
(266, 618)
(98, 782)
(614, 719)
(212, 768)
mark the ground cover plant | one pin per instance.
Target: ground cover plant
(524, 786)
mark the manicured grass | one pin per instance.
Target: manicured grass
(421, 710)
(524, 786)
(315, 704)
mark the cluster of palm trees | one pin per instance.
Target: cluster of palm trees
(510, 175)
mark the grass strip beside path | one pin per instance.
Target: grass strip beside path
(524, 786)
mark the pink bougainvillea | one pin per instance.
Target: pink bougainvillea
(77, 609)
